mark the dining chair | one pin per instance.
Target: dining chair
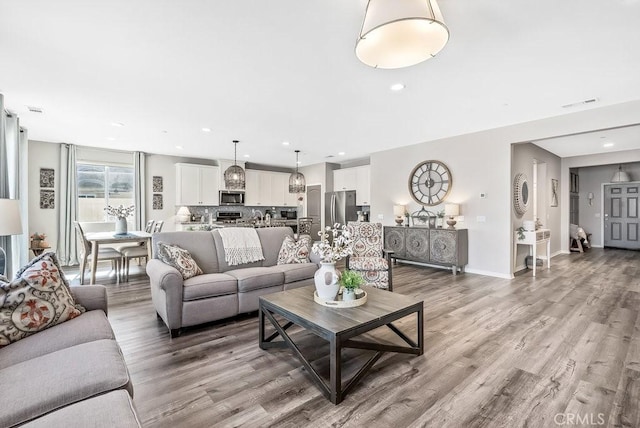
(369, 257)
(138, 251)
(157, 227)
(104, 254)
(304, 226)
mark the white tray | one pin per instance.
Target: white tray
(341, 303)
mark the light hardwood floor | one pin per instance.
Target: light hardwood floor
(561, 349)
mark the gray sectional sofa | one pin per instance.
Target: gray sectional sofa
(72, 374)
(222, 291)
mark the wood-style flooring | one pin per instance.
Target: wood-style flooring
(561, 349)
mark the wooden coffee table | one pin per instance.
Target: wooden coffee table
(339, 326)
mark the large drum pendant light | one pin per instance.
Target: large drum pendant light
(401, 33)
(234, 177)
(297, 183)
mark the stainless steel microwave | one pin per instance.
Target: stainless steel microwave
(231, 197)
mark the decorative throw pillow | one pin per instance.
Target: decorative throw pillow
(37, 299)
(295, 252)
(180, 259)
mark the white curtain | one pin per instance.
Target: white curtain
(140, 189)
(13, 185)
(68, 212)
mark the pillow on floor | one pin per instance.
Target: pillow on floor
(295, 252)
(180, 259)
(37, 299)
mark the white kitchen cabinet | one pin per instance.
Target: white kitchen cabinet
(344, 179)
(224, 165)
(356, 178)
(268, 188)
(363, 185)
(197, 184)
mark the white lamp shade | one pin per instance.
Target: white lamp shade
(620, 176)
(451, 210)
(401, 33)
(10, 213)
(183, 214)
(590, 195)
(398, 210)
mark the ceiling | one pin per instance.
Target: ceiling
(285, 70)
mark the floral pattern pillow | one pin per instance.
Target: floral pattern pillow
(180, 259)
(293, 251)
(37, 299)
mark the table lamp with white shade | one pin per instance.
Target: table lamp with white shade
(451, 211)
(10, 225)
(398, 212)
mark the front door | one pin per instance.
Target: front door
(621, 222)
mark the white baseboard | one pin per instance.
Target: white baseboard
(488, 273)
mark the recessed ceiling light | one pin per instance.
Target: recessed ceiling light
(397, 86)
(298, 162)
(607, 145)
(341, 153)
(285, 143)
(179, 147)
(247, 156)
(111, 138)
(117, 124)
(206, 129)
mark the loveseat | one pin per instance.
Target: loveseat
(221, 291)
(72, 374)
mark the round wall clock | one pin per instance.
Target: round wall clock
(430, 182)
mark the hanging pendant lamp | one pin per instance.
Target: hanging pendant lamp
(620, 176)
(401, 33)
(297, 183)
(234, 175)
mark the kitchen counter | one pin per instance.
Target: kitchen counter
(196, 225)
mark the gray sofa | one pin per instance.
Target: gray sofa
(72, 374)
(222, 291)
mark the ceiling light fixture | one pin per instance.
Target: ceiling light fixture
(341, 153)
(285, 143)
(206, 129)
(247, 156)
(179, 147)
(401, 33)
(620, 176)
(607, 145)
(234, 177)
(297, 182)
(117, 124)
(397, 87)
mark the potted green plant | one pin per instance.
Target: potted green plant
(351, 281)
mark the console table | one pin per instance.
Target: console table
(533, 239)
(446, 248)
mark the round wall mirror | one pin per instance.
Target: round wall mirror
(520, 194)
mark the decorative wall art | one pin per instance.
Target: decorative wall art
(430, 183)
(47, 177)
(520, 194)
(157, 202)
(47, 199)
(157, 183)
(554, 192)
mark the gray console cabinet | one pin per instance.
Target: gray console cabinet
(447, 248)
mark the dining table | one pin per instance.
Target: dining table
(98, 238)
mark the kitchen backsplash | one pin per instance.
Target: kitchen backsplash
(245, 211)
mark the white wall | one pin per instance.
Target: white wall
(527, 157)
(478, 164)
(43, 155)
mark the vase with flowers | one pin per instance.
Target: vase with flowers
(120, 213)
(332, 250)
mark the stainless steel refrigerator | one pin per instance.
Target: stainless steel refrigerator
(340, 207)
